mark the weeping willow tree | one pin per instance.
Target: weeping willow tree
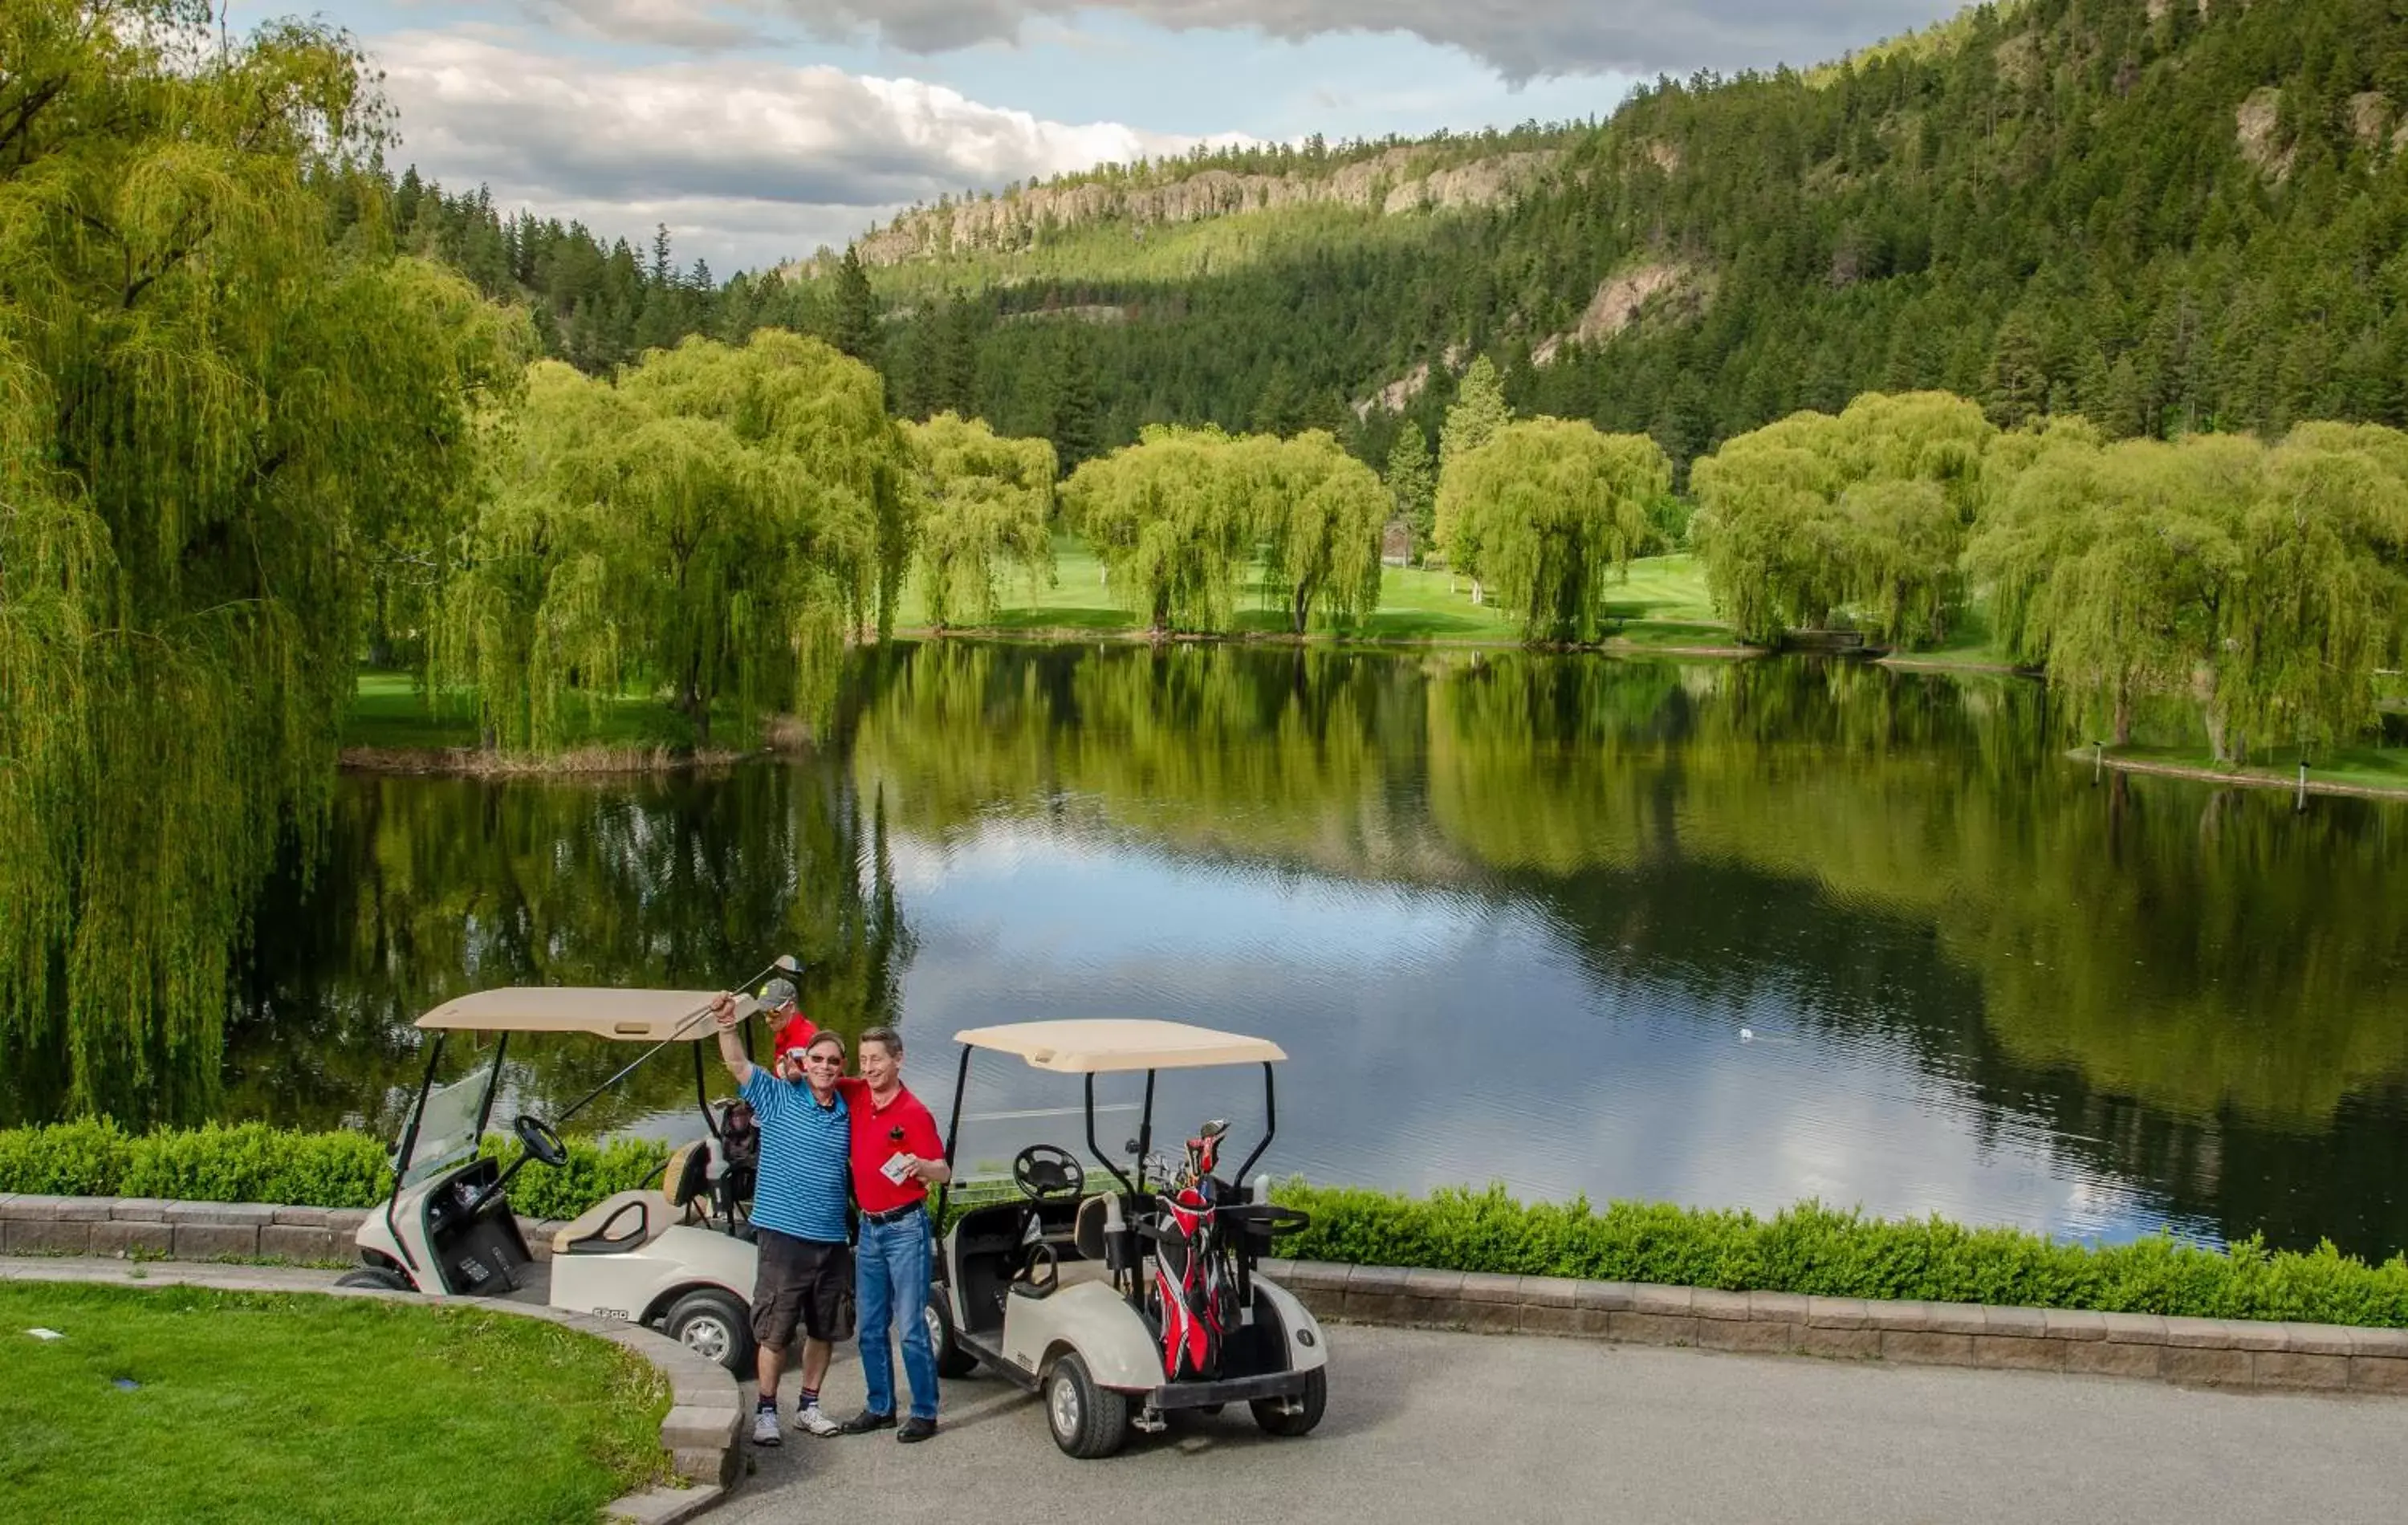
(1171, 522)
(706, 529)
(825, 412)
(210, 412)
(1866, 512)
(2325, 600)
(1319, 515)
(525, 619)
(1548, 512)
(987, 505)
(2266, 584)
(2104, 565)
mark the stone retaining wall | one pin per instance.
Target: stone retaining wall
(149, 1228)
(2206, 1352)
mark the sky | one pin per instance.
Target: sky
(759, 130)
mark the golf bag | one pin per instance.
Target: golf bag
(739, 1155)
(1195, 1288)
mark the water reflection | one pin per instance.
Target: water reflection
(1980, 983)
(437, 888)
(1728, 934)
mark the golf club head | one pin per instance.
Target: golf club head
(787, 966)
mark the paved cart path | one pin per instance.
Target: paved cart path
(1490, 1428)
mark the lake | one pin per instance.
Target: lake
(1727, 934)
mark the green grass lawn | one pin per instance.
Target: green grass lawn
(1971, 644)
(1664, 603)
(388, 713)
(2366, 767)
(247, 1407)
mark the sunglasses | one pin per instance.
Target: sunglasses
(823, 1058)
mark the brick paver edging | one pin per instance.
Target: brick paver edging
(152, 1228)
(706, 1407)
(2210, 1352)
(2206, 1352)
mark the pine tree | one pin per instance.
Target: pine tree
(2016, 389)
(1412, 485)
(1278, 408)
(1075, 419)
(957, 388)
(1478, 412)
(857, 310)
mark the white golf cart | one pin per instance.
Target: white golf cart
(1126, 1305)
(679, 1256)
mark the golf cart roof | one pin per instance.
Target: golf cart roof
(1100, 1046)
(634, 1017)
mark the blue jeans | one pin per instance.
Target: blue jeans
(891, 1281)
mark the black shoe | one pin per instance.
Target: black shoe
(916, 1428)
(867, 1421)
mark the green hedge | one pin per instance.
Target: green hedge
(1808, 1249)
(251, 1162)
(1825, 1251)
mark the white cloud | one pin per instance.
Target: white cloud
(671, 23)
(1522, 40)
(747, 161)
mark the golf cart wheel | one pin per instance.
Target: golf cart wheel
(1087, 1421)
(1277, 1419)
(378, 1277)
(715, 1325)
(951, 1360)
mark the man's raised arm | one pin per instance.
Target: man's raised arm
(731, 1047)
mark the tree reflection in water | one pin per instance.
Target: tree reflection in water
(2190, 990)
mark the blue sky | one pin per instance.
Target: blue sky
(761, 129)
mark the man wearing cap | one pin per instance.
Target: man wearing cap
(897, 1157)
(804, 1272)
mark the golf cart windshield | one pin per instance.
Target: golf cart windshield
(448, 1124)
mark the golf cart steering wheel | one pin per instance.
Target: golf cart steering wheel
(1265, 1218)
(542, 1144)
(1045, 1169)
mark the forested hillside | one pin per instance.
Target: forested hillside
(596, 306)
(2168, 216)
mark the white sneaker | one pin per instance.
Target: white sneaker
(809, 1421)
(764, 1427)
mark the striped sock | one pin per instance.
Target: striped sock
(811, 1398)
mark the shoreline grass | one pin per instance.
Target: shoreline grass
(2372, 770)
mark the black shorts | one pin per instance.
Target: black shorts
(801, 1281)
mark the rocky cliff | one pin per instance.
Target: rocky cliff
(1400, 180)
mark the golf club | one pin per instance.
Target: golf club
(785, 966)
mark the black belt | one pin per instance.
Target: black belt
(894, 1215)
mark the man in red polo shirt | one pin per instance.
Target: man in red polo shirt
(897, 1157)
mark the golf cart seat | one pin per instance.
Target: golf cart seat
(629, 1220)
(1101, 1236)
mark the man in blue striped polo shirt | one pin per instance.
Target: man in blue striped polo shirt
(804, 1272)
